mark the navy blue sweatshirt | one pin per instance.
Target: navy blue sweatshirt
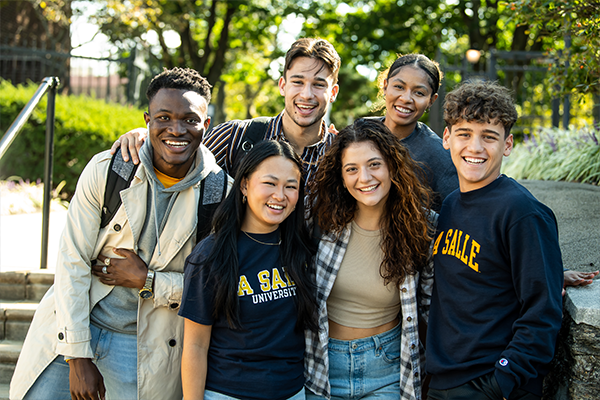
(497, 303)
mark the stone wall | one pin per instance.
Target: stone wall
(575, 370)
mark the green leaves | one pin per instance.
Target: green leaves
(557, 155)
(84, 126)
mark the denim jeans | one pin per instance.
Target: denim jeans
(367, 368)
(210, 395)
(115, 355)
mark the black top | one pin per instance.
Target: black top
(496, 303)
(264, 359)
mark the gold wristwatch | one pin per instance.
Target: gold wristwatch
(146, 291)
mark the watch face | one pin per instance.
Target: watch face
(146, 294)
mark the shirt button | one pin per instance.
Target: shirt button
(416, 374)
(409, 319)
(117, 227)
(404, 290)
(172, 342)
(61, 336)
(412, 346)
(174, 305)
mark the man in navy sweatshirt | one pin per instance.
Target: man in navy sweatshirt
(496, 308)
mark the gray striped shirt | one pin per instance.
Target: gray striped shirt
(224, 140)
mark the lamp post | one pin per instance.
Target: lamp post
(472, 56)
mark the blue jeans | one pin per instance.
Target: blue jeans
(115, 355)
(210, 395)
(367, 368)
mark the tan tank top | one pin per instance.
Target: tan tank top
(359, 298)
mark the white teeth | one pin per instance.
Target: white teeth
(474, 160)
(176, 144)
(402, 109)
(275, 207)
(305, 107)
(368, 189)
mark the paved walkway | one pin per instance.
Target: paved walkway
(577, 208)
(21, 241)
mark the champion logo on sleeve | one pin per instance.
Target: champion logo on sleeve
(503, 362)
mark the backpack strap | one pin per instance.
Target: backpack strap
(254, 133)
(213, 190)
(120, 175)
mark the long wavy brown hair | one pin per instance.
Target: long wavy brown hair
(406, 234)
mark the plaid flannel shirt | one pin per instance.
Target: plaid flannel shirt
(415, 298)
(224, 140)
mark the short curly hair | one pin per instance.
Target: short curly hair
(179, 78)
(480, 101)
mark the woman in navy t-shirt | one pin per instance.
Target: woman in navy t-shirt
(248, 292)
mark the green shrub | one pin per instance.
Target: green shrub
(557, 155)
(84, 126)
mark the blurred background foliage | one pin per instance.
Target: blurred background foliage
(83, 127)
(239, 46)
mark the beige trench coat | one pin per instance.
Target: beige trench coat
(61, 323)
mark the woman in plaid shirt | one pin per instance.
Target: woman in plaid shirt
(373, 269)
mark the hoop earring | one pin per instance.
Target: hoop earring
(244, 198)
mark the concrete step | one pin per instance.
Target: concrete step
(15, 318)
(25, 285)
(9, 353)
(4, 391)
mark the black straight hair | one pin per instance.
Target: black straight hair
(296, 249)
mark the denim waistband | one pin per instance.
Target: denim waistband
(368, 343)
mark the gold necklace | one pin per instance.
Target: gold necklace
(258, 241)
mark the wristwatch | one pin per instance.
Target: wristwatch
(146, 291)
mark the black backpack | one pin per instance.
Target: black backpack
(255, 132)
(121, 174)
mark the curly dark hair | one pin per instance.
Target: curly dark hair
(179, 78)
(317, 49)
(480, 101)
(406, 234)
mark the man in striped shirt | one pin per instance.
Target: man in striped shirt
(308, 85)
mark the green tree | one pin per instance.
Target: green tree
(370, 34)
(216, 37)
(574, 22)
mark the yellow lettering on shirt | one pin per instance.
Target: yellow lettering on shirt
(474, 251)
(452, 249)
(437, 243)
(465, 250)
(244, 287)
(457, 253)
(265, 282)
(447, 241)
(464, 256)
(278, 283)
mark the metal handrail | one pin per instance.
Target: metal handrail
(49, 84)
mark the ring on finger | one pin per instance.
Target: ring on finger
(104, 270)
(107, 262)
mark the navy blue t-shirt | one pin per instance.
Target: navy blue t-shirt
(264, 359)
